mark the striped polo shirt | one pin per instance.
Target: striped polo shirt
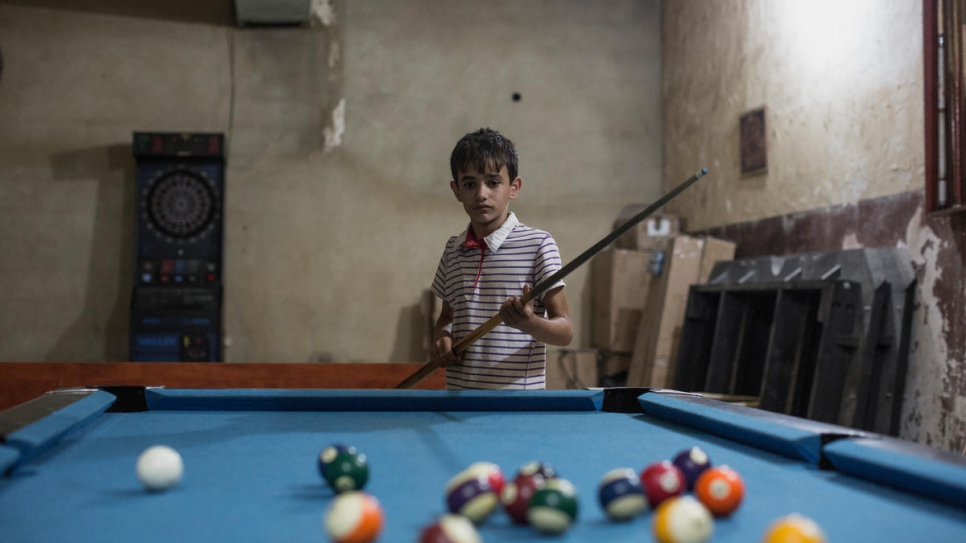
(476, 280)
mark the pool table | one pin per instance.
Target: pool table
(250, 474)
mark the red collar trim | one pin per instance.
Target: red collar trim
(473, 242)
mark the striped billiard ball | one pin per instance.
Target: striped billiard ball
(553, 508)
(621, 495)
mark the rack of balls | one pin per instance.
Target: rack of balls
(535, 496)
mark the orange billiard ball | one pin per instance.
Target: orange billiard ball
(794, 528)
(354, 517)
(720, 489)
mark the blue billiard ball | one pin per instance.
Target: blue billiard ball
(692, 463)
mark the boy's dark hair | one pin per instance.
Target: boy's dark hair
(485, 147)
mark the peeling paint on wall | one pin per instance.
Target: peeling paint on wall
(333, 133)
(934, 410)
(323, 12)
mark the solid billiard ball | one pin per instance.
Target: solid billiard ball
(517, 493)
(159, 468)
(621, 495)
(794, 528)
(450, 529)
(492, 472)
(553, 508)
(330, 453)
(354, 517)
(692, 464)
(662, 480)
(720, 489)
(682, 519)
(470, 494)
(344, 469)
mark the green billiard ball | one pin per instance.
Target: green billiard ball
(349, 470)
(553, 508)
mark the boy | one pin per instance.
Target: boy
(484, 269)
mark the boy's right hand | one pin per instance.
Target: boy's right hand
(442, 352)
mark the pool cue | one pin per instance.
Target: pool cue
(460, 346)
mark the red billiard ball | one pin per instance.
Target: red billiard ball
(720, 489)
(692, 464)
(662, 480)
(517, 493)
(450, 529)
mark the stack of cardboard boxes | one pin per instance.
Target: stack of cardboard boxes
(640, 292)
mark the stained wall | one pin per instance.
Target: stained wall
(842, 86)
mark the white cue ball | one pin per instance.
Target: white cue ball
(159, 468)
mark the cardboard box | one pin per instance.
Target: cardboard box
(571, 369)
(715, 250)
(688, 261)
(652, 233)
(620, 285)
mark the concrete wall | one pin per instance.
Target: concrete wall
(842, 83)
(337, 204)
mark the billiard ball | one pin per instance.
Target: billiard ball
(450, 529)
(682, 519)
(543, 469)
(517, 493)
(344, 468)
(720, 489)
(470, 494)
(492, 472)
(692, 464)
(330, 453)
(662, 480)
(794, 528)
(354, 517)
(553, 508)
(621, 495)
(159, 468)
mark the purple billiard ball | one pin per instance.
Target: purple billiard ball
(692, 463)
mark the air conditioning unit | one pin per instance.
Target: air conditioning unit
(273, 12)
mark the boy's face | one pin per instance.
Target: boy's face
(485, 194)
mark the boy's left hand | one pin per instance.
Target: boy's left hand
(515, 313)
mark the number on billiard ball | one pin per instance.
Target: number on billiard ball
(720, 489)
(692, 464)
(662, 480)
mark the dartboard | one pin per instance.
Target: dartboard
(181, 205)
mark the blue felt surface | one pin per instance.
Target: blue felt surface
(373, 400)
(872, 459)
(8, 458)
(252, 476)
